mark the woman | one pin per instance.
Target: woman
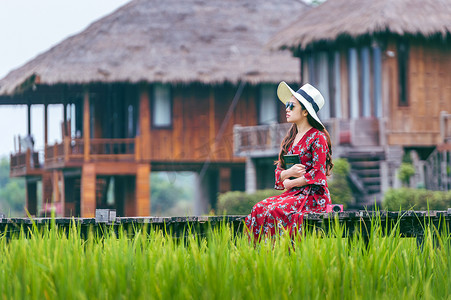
(305, 183)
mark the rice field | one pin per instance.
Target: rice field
(222, 264)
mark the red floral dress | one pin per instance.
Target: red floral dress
(287, 210)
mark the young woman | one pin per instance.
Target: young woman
(305, 183)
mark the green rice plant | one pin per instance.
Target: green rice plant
(149, 263)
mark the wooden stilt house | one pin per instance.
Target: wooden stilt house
(154, 86)
(385, 68)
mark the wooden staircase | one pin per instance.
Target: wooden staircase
(365, 175)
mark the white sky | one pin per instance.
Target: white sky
(28, 28)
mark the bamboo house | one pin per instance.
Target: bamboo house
(154, 86)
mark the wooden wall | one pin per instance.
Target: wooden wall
(429, 93)
(199, 113)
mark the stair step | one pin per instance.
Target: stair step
(368, 172)
(365, 164)
(371, 180)
(364, 155)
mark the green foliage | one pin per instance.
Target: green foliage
(340, 191)
(241, 203)
(406, 171)
(12, 191)
(169, 191)
(416, 199)
(223, 264)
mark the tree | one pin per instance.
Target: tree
(12, 191)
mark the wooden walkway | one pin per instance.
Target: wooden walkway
(406, 223)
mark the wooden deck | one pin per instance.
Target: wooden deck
(406, 223)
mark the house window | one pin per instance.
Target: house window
(267, 111)
(161, 106)
(403, 60)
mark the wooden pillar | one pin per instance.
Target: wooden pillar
(65, 133)
(46, 137)
(56, 191)
(212, 120)
(144, 122)
(32, 198)
(29, 119)
(129, 198)
(86, 125)
(224, 180)
(88, 191)
(142, 190)
(251, 176)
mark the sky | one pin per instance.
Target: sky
(28, 28)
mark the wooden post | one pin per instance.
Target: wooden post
(66, 145)
(144, 122)
(29, 119)
(142, 190)
(31, 199)
(212, 120)
(46, 137)
(251, 176)
(88, 191)
(65, 119)
(86, 125)
(56, 192)
(62, 193)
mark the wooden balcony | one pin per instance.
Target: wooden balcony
(265, 140)
(71, 152)
(25, 164)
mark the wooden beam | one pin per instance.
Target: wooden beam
(65, 119)
(86, 124)
(29, 119)
(46, 135)
(143, 190)
(211, 127)
(88, 191)
(144, 122)
(31, 198)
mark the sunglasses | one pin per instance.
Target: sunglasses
(289, 105)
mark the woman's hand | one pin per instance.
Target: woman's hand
(289, 184)
(298, 170)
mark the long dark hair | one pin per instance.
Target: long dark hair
(291, 134)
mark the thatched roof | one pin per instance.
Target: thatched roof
(354, 18)
(179, 41)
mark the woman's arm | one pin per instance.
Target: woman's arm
(296, 171)
(297, 182)
(317, 174)
(281, 175)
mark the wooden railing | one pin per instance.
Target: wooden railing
(112, 149)
(24, 162)
(73, 151)
(265, 140)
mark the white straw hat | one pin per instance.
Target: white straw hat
(309, 96)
